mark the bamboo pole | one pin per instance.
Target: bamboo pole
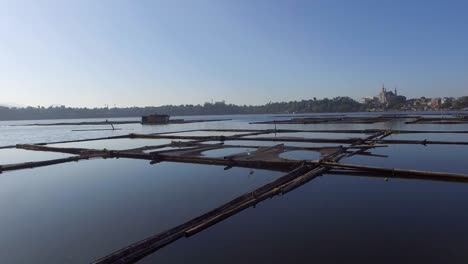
(8, 147)
(97, 129)
(347, 131)
(175, 121)
(75, 151)
(387, 176)
(35, 164)
(420, 142)
(272, 139)
(191, 143)
(276, 165)
(305, 140)
(82, 140)
(70, 141)
(393, 171)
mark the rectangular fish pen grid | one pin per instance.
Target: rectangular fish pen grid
(298, 172)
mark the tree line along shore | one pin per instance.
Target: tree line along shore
(337, 104)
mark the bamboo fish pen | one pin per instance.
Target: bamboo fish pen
(266, 157)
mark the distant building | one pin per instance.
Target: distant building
(435, 102)
(367, 100)
(386, 96)
(447, 100)
(155, 119)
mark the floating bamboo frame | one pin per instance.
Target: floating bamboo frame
(298, 172)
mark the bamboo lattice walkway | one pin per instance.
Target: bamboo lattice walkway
(298, 172)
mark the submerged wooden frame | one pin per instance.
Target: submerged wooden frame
(340, 119)
(298, 172)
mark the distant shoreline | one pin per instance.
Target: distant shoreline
(135, 119)
(342, 104)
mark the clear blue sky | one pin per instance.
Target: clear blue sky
(92, 53)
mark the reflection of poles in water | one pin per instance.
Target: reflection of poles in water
(390, 124)
(107, 121)
(275, 127)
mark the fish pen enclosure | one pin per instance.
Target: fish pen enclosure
(299, 155)
(409, 119)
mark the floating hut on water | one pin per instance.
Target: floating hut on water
(155, 119)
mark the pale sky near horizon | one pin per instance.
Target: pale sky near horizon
(139, 53)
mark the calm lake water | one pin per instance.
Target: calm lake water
(79, 212)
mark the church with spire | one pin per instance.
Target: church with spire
(386, 96)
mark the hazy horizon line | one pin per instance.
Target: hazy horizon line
(17, 105)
